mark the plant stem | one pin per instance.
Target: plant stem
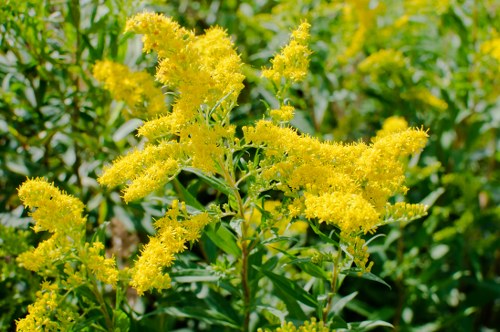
(245, 250)
(333, 285)
(102, 304)
(399, 280)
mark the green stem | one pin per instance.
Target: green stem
(333, 285)
(245, 250)
(102, 304)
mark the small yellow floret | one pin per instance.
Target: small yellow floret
(292, 63)
(171, 237)
(137, 89)
(391, 125)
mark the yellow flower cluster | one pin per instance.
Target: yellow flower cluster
(308, 326)
(149, 169)
(292, 63)
(425, 97)
(492, 48)
(56, 212)
(104, 269)
(358, 251)
(392, 125)
(402, 211)
(346, 185)
(61, 215)
(137, 89)
(284, 114)
(173, 231)
(48, 313)
(205, 73)
(384, 62)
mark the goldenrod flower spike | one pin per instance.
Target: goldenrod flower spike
(41, 314)
(202, 70)
(345, 185)
(293, 61)
(392, 125)
(170, 239)
(56, 212)
(137, 89)
(492, 48)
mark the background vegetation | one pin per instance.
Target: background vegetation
(435, 63)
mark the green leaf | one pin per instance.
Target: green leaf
(122, 322)
(321, 235)
(430, 199)
(193, 275)
(289, 286)
(216, 183)
(223, 238)
(342, 302)
(100, 233)
(185, 195)
(338, 322)
(305, 265)
(368, 325)
(279, 239)
(355, 272)
(125, 129)
(205, 315)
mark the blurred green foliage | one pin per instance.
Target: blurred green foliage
(57, 122)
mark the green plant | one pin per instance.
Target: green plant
(267, 178)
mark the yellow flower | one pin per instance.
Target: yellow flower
(104, 269)
(292, 63)
(56, 212)
(492, 48)
(425, 97)
(345, 185)
(48, 313)
(308, 326)
(148, 169)
(172, 234)
(402, 211)
(205, 70)
(136, 89)
(284, 114)
(391, 125)
(349, 212)
(383, 61)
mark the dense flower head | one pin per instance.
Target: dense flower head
(492, 48)
(104, 269)
(283, 114)
(174, 230)
(391, 125)
(204, 74)
(383, 61)
(137, 89)
(48, 312)
(204, 71)
(292, 63)
(55, 212)
(346, 185)
(149, 169)
(61, 215)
